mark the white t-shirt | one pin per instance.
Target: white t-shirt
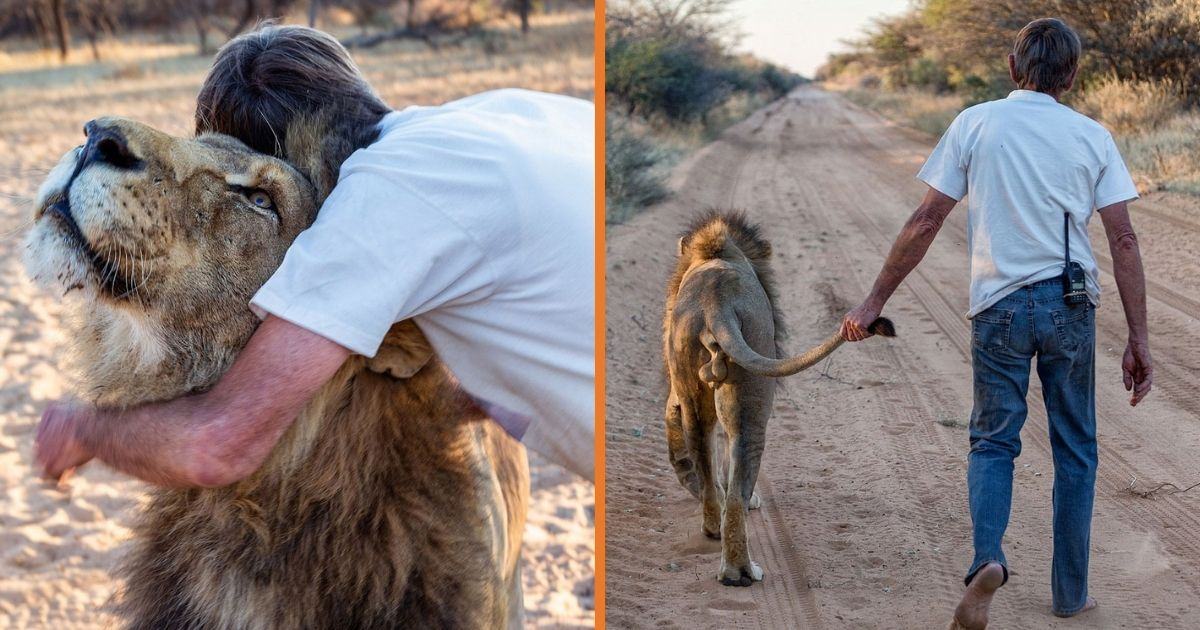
(1026, 160)
(476, 220)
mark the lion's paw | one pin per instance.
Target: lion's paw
(740, 576)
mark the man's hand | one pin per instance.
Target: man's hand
(57, 447)
(202, 440)
(854, 325)
(1138, 370)
(908, 250)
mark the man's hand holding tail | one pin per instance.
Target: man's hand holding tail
(855, 326)
(910, 247)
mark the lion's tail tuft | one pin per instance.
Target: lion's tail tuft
(882, 327)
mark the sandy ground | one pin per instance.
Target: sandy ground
(865, 520)
(56, 548)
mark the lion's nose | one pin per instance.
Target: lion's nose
(107, 144)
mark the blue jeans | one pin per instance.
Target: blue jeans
(1035, 322)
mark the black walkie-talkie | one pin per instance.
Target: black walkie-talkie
(1074, 282)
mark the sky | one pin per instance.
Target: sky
(799, 34)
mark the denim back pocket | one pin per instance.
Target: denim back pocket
(990, 330)
(1073, 326)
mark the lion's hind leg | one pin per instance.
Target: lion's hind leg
(677, 450)
(745, 425)
(698, 420)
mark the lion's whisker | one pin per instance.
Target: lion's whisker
(20, 227)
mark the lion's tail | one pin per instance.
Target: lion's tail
(681, 461)
(734, 345)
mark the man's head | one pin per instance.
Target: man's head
(278, 81)
(1045, 57)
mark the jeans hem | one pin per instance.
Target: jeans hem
(1058, 613)
(983, 563)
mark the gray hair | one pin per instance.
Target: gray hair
(266, 84)
(1047, 53)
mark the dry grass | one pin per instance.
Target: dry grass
(63, 577)
(1165, 158)
(1130, 107)
(930, 113)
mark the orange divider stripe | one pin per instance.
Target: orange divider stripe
(599, 474)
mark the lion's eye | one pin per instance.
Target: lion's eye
(260, 199)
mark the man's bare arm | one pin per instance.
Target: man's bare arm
(207, 440)
(1137, 366)
(908, 250)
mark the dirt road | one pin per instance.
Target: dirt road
(865, 520)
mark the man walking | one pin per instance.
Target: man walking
(1035, 170)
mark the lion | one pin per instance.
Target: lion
(392, 501)
(721, 334)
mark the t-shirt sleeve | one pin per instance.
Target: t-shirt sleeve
(1114, 184)
(946, 169)
(375, 255)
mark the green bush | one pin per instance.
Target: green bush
(778, 80)
(928, 74)
(976, 89)
(678, 79)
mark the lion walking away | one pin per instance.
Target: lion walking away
(721, 337)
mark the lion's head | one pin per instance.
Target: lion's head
(159, 242)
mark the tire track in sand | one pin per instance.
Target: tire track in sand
(908, 400)
(787, 600)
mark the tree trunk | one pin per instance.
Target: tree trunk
(60, 27)
(202, 33)
(90, 21)
(91, 37)
(523, 8)
(244, 21)
(314, 7)
(410, 15)
(37, 15)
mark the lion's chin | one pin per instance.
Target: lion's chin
(59, 258)
(56, 263)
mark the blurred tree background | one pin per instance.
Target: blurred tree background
(1139, 74)
(62, 25)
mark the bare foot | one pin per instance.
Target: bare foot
(1091, 603)
(972, 611)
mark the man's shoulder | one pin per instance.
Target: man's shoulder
(974, 115)
(1058, 115)
(495, 107)
(504, 121)
(1088, 123)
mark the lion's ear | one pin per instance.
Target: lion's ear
(404, 351)
(679, 247)
(307, 147)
